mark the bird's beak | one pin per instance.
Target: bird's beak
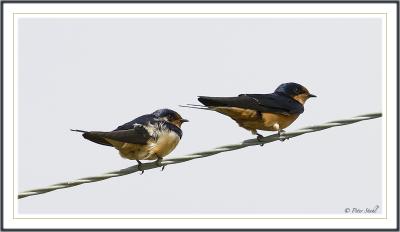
(311, 95)
(184, 120)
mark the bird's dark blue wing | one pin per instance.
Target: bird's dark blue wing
(137, 134)
(278, 103)
(142, 120)
(265, 103)
(130, 132)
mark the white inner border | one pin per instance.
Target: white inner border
(385, 11)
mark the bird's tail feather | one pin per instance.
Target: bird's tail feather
(94, 137)
(217, 101)
(193, 106)
(82, 131)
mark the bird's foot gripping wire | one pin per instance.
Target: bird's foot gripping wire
(140, 167)
(158, 163)
(281, 135)
(259, 138)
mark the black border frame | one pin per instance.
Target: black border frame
(195, 1)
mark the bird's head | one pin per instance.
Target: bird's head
(295, 91)
(170, 116)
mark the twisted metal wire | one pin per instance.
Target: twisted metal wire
(197, 155)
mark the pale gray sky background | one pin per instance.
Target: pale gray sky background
(98, 73)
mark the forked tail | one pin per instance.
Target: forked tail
(82, 131)
(94, 137)
(193, 106)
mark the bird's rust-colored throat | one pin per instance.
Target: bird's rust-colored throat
(302, 98)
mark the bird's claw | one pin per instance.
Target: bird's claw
(281, 136)
(259, 139)
(140, 167)
(158, 163)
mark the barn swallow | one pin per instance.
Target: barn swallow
(148, 137)
(269, 112)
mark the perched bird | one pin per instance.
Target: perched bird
(269, 112)
(148, 137)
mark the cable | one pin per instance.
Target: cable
(197, 155)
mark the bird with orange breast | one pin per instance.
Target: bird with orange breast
(148, 137)
(269, 112)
